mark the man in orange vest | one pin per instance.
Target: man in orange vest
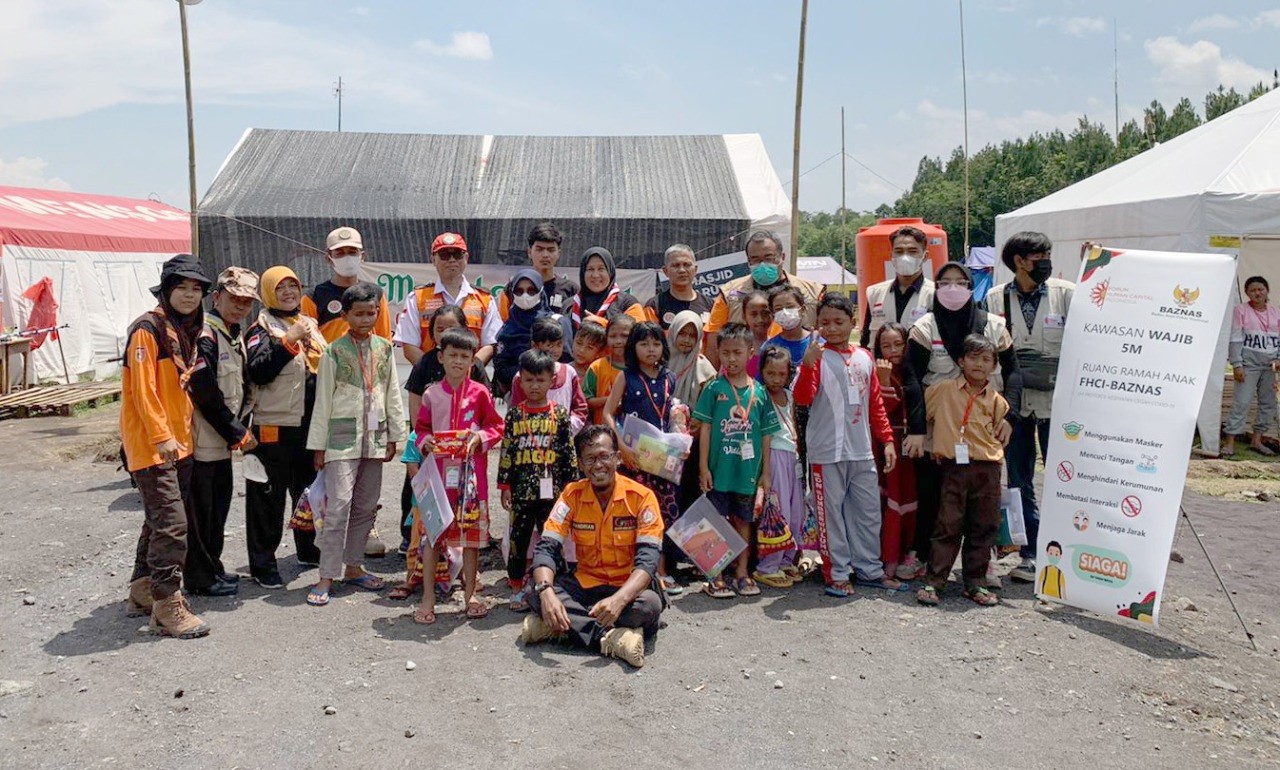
(412, 333)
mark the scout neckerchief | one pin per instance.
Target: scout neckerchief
(182, 350)
(575, 311)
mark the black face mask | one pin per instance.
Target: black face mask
(1041, 270)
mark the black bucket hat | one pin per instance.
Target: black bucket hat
(178, 267)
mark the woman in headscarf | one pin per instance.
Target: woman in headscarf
(528, 304)
(934, 348)
(284, 352)
(692, 371)
(600, 294)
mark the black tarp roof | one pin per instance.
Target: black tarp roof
(280, 192)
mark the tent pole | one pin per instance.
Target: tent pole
(66, 373)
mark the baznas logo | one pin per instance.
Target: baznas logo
(1185, 297)
(1098, 295)
(1072, 430)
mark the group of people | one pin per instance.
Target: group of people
(879, 461)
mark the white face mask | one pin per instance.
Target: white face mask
(347, 267)
(527, 301)
(905, 264)
(788, 318)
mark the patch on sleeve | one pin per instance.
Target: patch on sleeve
(647, 517)
(255, 340)
(140, 354)
(560, 512)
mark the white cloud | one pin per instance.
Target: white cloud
(29, 172)
(1076, 26)
(1268, 19)
(1199, 67)
(462, 45)
(1217, 21)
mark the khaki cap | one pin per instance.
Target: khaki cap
(344, 236)
(239, 282)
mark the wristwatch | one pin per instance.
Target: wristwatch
(541, 586)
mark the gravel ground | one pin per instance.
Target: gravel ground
(788, 679)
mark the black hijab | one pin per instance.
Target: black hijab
(955, 325)
(590, 301)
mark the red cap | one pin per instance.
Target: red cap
(448, 241)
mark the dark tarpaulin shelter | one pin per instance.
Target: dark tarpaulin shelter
(279, 193)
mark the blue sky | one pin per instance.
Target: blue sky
(92, 89)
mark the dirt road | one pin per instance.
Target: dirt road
(786, 680)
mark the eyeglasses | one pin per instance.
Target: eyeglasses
(604, 459)
(451, 255)
(530, 292)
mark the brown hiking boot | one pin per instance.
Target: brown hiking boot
(624, 644)
(535, 630)
(139, 601)
(173, 617)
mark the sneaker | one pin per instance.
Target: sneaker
(229, 577)
(535, 630)
(270, 581)
(307, 563)
(219, 588)
(404, 546)
(1025, 572)
(624, 644)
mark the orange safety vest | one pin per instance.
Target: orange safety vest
(474, 306)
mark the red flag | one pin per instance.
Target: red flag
(44, 310)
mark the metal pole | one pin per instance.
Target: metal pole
(1248, 634)
(339, 94)
(191, 129)
(964, 82)
(1115, 57)
(843, 239)
(795, 156)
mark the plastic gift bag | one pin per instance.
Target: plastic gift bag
(1013, 530)
(772, 531)
(308, 515)
(706, 537)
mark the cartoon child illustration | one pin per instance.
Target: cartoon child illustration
(1080, 521)
(1052, 582)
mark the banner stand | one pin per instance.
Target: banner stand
(1216, 574)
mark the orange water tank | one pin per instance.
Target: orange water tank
(874, 252)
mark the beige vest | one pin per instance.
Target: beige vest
(734, 291)
(282, 401)
(1044, 338)
(941, 367)
(210, 445)
(884, 308)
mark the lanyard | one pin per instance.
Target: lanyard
(964, 421)
(751, 400)
(367, 374)
(666, 397)
(455, 407)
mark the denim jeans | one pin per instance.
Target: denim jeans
(1020, 459)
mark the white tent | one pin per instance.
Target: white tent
(1215, 188)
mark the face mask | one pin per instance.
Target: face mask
(788, 318)
(765, 274)
(1053, 560)
(1041, 270)
(347, 267)
(527, 301)
(953, 297)
(907, 265)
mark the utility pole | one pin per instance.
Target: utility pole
(795, 156)
(964, 81)
(191, 126)
(338, 93)
(1115, 54)
(843, 238)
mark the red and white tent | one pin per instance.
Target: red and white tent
(103, 255)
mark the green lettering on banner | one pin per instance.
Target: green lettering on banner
(397, 287)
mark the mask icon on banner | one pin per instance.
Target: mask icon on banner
(953, 297)
(764, 274)
(905, 264)
(347, 267)
(788, 318)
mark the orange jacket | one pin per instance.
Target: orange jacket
(154, 405)
(324, 303)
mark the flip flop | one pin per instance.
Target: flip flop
(670, 587)
(777, 579)
(840, 589)
(477, 610)
(928, 596)
(1264, 451)
(317, 598)
(402, 592)
(424, 618)
(718, 589)
(981, 597)
(898, 588)
(367, 582)
(745, 586)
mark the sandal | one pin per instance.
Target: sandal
(885, 583)
(745, 586)
(806, 564)
(795, 573)
(424, 617)
(366, 581)
(317, 598)
(519, 601)
(778, 579)
(477, 609)
(840, 589)
(670, 587)
(981, 596)
(718, 589)
(1263, 450)
(928, 596)
(402, 591)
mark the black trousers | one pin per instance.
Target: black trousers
(206, 520)
(527, 517)
(162, 545)
(290, 469)
(929, 490)
(643, 613)
(406, 506)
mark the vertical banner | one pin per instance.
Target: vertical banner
(1136, 354)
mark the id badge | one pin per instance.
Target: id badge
(962, 454)
(544, 488)
(452, 474)
(373, 418)
(748, 451)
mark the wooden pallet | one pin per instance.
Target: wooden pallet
(57, 399)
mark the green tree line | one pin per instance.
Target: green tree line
(1014, 173)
